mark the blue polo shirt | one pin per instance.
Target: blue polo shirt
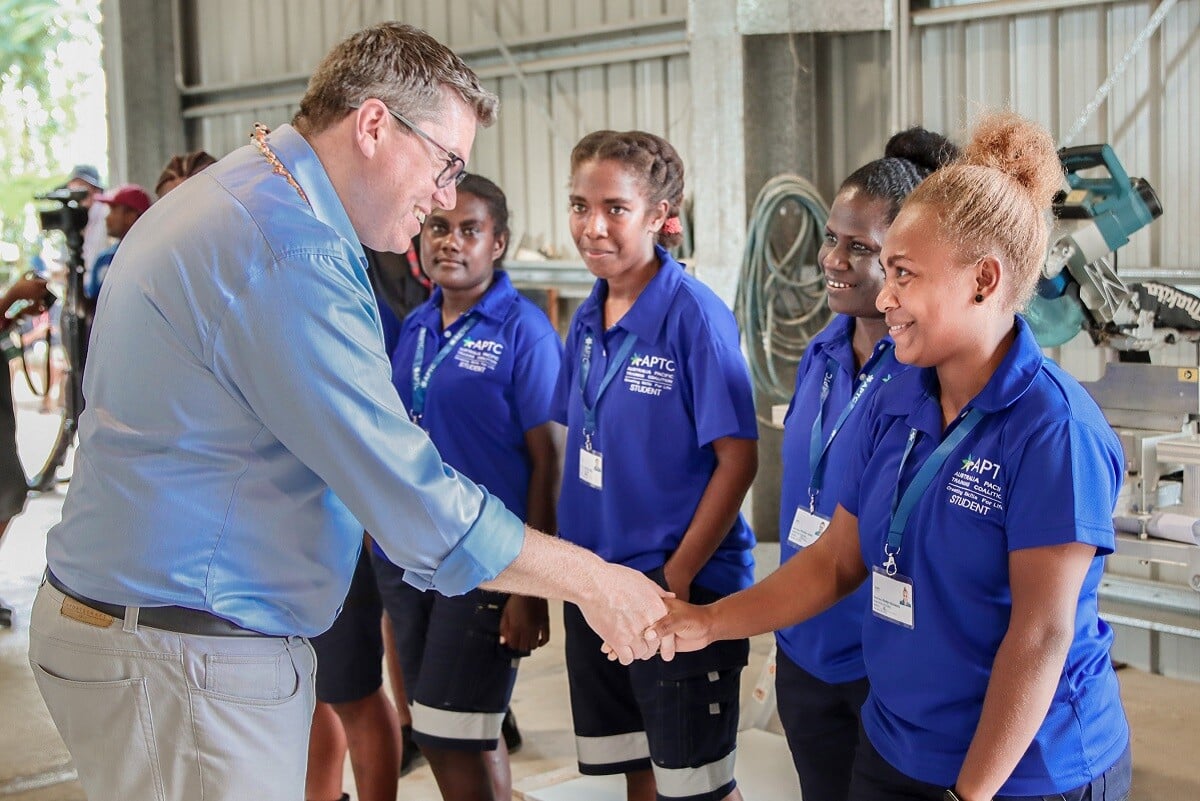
(1041, 468)
(684, 385)
(829, 646)
(95, 279)
(496, 384)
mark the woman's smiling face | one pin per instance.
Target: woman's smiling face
(927, 295)
(849, 255)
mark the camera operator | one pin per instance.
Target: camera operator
(32, 291)
(86, 178)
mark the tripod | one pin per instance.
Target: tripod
(75, 327)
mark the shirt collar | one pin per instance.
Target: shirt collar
(1015, 374)
(297, 155)
(835, 342)
(915, 394)
(649, 311)
(494, 305)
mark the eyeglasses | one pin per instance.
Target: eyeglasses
(455, 170)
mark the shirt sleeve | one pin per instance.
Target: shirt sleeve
(722, 394)
(566, 379)
(537, 372)
(302, 348)
(1063, 488)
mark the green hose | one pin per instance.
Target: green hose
(781, 303)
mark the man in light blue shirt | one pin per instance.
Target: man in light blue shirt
(242, 430)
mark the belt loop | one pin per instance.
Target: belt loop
(45, 575)
(131, 620)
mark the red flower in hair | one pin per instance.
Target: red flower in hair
(672, 226)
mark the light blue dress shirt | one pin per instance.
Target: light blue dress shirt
(241, 426)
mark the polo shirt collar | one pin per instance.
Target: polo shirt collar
(297, 155)
(1016, 373)
(915, 394)
(494, 305)
(649, 312)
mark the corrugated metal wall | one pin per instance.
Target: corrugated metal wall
(584, 65)
(1046, 65)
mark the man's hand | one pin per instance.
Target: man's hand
(525, 623)
(622, 609)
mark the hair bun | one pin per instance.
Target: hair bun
(1019, 148)
(926, 149)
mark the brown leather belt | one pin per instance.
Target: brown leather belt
(179, 619)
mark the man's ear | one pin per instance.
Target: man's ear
(371, 124)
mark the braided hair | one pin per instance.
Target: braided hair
(653, 159)
(909, 157)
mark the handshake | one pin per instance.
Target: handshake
(637, 618)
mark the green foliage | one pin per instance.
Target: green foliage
(37, 97)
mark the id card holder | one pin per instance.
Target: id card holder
(892, 597)
(591, 468)
(806, 528)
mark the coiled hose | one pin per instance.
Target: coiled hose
(781, 302)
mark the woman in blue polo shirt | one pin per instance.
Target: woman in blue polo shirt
(660, 452)
(989, 478)
(476, 367)
(820, 678)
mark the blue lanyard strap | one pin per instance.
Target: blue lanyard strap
(420, 381)
(902, 506)
(585, 369)
(816, 450)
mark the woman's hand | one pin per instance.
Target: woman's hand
(679, 580)
(692, 626)
(525, 623)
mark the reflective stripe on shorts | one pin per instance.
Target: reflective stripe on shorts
(449, 725)
(689, 782)
(616, 749)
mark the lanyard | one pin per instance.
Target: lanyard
(902, 507)
(420, 382)
(817, 451)
(585, 369)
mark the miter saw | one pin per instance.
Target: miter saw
(1080, 289)
(1154, 404)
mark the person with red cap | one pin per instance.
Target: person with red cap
(125, 204)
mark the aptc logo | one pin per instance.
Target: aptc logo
(652, 362)
(483, 345)
(981, 467)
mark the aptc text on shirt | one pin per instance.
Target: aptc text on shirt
(650, 375)
(479, 355)
(976, 487)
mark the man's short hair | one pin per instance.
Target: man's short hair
(401, 65)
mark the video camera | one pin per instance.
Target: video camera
(69, 215)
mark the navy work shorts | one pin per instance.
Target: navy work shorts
(876, 780)
(350, 654)
(679, 718)
(458, 676)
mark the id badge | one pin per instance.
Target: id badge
(892, 597)
(591, 468)
(806, 528)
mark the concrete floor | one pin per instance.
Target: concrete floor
(34, 765)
